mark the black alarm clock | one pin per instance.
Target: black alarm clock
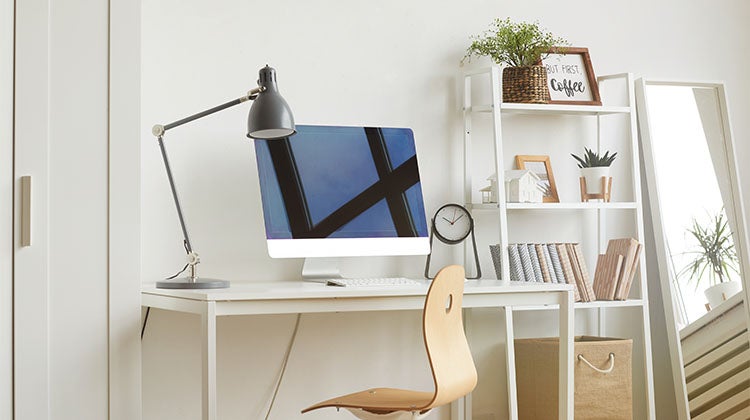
(452, 224)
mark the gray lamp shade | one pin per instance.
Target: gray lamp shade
(270, 116)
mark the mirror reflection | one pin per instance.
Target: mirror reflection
(694, 185)
(700, 242)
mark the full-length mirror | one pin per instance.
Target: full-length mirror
(701, 242)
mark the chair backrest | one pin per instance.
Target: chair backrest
(448, 351)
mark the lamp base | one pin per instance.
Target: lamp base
(192, 283)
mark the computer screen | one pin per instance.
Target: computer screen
(332, 191)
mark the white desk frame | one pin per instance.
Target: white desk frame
(291, 297)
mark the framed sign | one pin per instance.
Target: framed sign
(570, 78)
(541, 167)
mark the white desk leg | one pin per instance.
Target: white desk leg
(510, 363)
(461, 408)
(458, 408)
(567, 334)
(208, 327)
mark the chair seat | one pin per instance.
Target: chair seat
(380, 400)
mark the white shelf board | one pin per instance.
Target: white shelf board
(518, 108)
(571, 206)
(587, 305)
(555, 206)
(481, 206)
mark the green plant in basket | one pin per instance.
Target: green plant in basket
(516, 44)
(593, 159)
(521, 46)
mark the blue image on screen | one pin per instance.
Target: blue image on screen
(341, 182)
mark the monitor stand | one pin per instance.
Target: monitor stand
(320, 269)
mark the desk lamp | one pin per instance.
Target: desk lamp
(270, 118)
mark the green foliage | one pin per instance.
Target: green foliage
(515, 44)
(715, 254)
(592, 159)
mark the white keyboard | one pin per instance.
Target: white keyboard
(373, 282)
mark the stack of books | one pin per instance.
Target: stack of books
(616, 269)
(551, 263)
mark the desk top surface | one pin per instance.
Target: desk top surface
(310, 290)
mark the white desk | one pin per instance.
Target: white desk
(291, 297)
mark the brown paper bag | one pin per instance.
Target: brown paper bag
(598, 395)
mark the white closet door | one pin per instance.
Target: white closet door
(61, 142)
(6, 209)
(31, 342)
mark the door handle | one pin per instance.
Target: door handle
(26, 210)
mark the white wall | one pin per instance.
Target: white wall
(350, 63)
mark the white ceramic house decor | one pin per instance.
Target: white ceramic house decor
(489, 193)
(522, 186)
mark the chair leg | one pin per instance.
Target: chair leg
(396, 415)
(416, 415)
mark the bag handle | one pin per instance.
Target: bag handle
(605, 371)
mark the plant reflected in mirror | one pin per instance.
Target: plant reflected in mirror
(714, 256)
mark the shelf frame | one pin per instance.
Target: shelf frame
(497, 108)
(597, 304)
(551, 109)
(555, 206)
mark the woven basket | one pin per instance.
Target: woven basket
(526, 84)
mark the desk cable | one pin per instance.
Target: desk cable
(187, 251)
(284, 362)
(145, 321)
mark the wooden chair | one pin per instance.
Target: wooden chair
(448, 351)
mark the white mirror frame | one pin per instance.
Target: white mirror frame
(741, 238)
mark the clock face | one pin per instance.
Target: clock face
(452, 223)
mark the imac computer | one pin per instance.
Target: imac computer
(330, 192)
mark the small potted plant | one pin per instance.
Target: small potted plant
(714, 259)
(593, 167)
(521, 47)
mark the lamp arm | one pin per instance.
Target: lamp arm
(188, 245)
(159, 130)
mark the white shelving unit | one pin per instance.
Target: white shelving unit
(638, 299)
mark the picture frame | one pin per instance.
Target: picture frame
(570, 77)
(542, 167)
